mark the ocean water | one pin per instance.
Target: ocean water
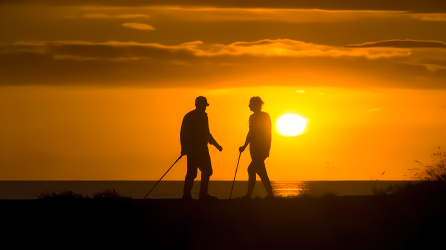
(174, 189)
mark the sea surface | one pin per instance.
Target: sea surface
(174, 189)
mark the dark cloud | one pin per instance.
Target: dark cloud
(401, 44)
(278, 62)
(432, 6)
(253, 43)
(128, 51)
(435, 61)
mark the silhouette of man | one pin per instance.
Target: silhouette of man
(194, 137)
(259, 139)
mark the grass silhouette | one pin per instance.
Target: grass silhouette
(432, 180)
(433, 172)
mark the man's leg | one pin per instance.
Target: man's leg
(206, 172)
(190, 177)
(188, 184)
(204, 184)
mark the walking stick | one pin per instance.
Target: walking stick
(162, 176)
(235, 174)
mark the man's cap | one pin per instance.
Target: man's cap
(201, 100)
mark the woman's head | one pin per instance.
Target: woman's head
(255, 104)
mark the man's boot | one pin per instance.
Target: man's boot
(188, 183)
(204, 190)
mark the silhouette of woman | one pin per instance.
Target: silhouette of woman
(259, 139)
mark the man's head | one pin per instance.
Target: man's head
(201, 103)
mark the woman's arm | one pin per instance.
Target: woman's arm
(248, 139)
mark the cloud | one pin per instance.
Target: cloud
(292, 48)
(264, 48)
(431, 17)
(96, 16)
(122, 16)
(401, 44)
(426, 6)
(132, 16)
(284, 62)
(212, 14)
(434, 67)
(138, 26)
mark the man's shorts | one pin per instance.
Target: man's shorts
(199, 160)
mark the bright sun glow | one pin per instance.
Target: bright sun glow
(291, 124)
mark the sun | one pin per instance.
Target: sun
(291, 124)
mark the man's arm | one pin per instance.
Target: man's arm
(211, 139)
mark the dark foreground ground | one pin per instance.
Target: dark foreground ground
(360, 222)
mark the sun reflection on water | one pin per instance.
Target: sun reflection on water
(290, 189)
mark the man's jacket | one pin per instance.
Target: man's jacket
(195, 135)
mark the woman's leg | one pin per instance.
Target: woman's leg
(251, 179)
(265, 179)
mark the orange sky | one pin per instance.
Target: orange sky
(98, 91)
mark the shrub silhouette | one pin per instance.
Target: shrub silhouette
(64, 195)
(109, 194)
(69, 195)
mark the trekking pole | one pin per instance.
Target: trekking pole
(235, 174)
(162, 176)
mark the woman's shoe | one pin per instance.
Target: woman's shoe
(269, 197)
(187, 197)
(246, 197)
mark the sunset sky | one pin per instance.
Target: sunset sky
(97, 90)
